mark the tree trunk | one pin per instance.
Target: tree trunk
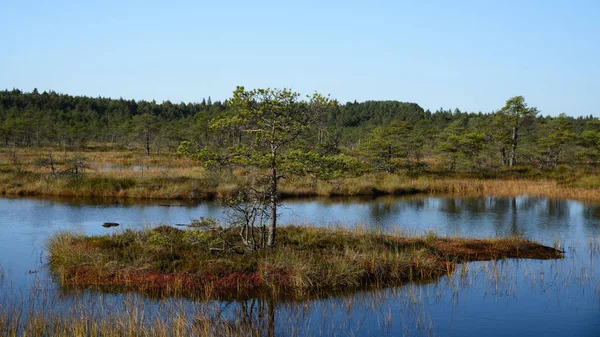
(271, 318)
(147, 145)
(513, 150)
(14, 153)
(514, 228)
(273, 202)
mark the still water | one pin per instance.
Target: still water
(503, 298)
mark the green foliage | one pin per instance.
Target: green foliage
(156, 239)
(48, 118)
(47, 161)
(184, 149)
(320, 166)
(76, 164)
(271, 119)
(205, 223)
(387, 146)
(200, 238)
(262, 128)
(553, 140)
(145, 126)
(377, 113)
(511, 120)
(590, 140)
(462, 149)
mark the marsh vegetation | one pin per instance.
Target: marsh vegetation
(307, 262)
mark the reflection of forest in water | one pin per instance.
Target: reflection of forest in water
(591, 213)
(504, 216)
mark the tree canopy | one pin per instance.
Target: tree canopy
(383, 136)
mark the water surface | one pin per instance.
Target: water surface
(504, 298)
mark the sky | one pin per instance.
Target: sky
(471, 55)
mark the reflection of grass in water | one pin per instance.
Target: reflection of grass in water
(40, 312)
(505, 278)
(594, 244)
(395, 311)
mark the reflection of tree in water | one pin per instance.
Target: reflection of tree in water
(505, 215)
(539, 212)
(354, 313)
(514, 217)
(474, 206)
(509, 216)
(517, 215)
(257, 315)
(558, 209)
(529, 203)
(499, 215)
(498, 209)
(591, 214)
(416, 203)
(380, 211)
(470, 206)
(450, 206)
(385, 209)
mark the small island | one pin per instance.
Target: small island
(307, 261)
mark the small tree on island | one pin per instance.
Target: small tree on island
(273, 119)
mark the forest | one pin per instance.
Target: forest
(371, 136)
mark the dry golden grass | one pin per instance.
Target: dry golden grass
(398, 185)
(128, 174)
(504, 187)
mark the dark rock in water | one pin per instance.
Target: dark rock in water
(110, 224)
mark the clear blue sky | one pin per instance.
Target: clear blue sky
(467, 54)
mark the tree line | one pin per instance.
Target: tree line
(371, 136)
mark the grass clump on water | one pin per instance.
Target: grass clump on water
(307, 261)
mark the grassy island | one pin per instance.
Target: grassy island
(306, 262)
